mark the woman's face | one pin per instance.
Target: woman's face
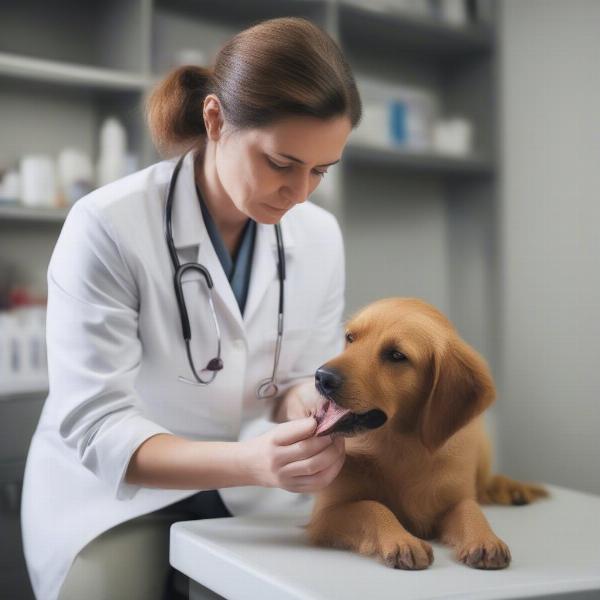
(267, 171)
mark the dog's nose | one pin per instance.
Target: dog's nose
(327, 380)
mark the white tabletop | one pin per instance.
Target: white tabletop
(554, 543)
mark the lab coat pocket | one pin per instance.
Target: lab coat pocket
(201, 406)
(184, 409)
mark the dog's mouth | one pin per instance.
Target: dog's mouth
(332, 418)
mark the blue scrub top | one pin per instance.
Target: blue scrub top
(238, 267)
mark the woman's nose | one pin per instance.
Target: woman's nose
(298, 189)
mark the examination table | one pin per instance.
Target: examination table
(554, 543)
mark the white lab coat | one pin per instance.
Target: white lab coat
(115, 351)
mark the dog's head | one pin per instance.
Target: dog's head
(404, 364)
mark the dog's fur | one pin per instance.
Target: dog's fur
(423, 474)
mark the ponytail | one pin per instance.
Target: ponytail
(174, 109)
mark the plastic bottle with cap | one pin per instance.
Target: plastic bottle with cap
(112, 164)
(5, 336)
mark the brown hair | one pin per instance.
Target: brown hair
(275, 69)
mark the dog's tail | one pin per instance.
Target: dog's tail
(499, 489)
(504, 490)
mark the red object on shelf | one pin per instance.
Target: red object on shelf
(21, 296)
(18, 296)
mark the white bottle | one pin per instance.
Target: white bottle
(38, 180)
(112, 164)
(40, 332)
(75, 175)
(10, 190)
(26, 352)
(5, 324)
(11, 352)
(33, 346)
(19, 361)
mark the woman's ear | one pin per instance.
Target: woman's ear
(213, 117)
(461, 388)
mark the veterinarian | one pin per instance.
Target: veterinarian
(147, 423)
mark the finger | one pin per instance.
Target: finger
(318, 480)
(294, 431)
(303, 449)
(299, 411)
(312, 465)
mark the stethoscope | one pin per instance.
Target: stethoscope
(267, 388)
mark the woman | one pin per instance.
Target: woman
(134, 424)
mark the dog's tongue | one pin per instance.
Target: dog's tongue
(328, 415)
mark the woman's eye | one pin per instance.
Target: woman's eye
(279, 167)
(284, 167)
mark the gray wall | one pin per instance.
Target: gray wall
(549, 413)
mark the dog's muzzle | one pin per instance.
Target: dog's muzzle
(333, 418)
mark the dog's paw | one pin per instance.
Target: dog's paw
(409, 553)
(485, 554)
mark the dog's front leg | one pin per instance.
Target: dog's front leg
(465, 528)
(368, 527)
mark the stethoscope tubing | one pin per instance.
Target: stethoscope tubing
(267, 387)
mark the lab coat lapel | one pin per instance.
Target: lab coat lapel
(264, 264)
(189, 230)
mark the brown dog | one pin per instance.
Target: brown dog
(409, 394)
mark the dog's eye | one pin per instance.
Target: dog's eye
(397, 356)
(349, 337)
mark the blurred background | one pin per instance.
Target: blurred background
(473, 182)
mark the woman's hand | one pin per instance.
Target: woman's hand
(289, 457)
(301, 401)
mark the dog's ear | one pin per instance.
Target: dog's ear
(461, 388)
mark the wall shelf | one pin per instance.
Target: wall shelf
(243, 12)
(19, 213)
(22, 391)
(60, 73)
(416, 162)
(395, 30)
